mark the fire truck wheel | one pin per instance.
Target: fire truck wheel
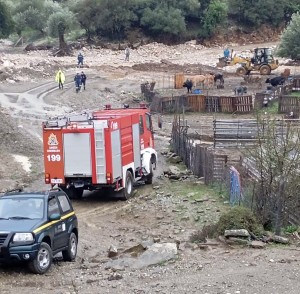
(77, 193)
(73, 193)
(149, 178)
(128, 189)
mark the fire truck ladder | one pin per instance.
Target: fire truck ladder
(100, 152)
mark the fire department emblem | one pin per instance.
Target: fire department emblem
(52, 140)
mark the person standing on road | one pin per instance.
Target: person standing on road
(127, 53)
(77, 80)
(80, 60)
(83, 79)
(60, 79)
(226, 53)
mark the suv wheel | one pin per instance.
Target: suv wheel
(42, 261)
(70, 253)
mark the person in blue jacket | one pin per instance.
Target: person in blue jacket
(77, 80)
(80, 59)
(226, 53)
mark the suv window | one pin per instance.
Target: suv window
(64, 203)
(53, 206)
(21, 207)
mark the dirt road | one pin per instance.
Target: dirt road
(166, 211)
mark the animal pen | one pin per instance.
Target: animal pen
(198, 155)
(203, 103)
(217, 158)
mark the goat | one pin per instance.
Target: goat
(219, 77)
(275, 81)
(189, 85)
(240, 90)
(209, 80)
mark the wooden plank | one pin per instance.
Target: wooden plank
(226, 104)
(178, 80)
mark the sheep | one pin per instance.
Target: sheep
(240, 90)
(275, 81)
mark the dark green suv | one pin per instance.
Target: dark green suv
(36, 226)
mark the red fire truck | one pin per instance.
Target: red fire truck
(109, 148)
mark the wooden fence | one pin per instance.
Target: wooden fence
(272, 94)
(296, 83)
(288, 104)
(239, 133)
(234, 133)
(202, 160)
(202, 103)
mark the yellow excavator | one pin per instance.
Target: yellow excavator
(262, 61)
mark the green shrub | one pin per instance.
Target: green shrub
(291, 229)
(238, 218)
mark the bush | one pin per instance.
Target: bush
(291, 229)
(238, 218)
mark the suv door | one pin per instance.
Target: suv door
(67, 215)
(59, 227)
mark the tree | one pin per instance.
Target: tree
(105, 17)
(33, 14)
(164, 20)
(257, 12)
(276, 157)
(291, 7)
(86, 13)
(289, 45)
(215, 16)
(58, 24)
(6, 21)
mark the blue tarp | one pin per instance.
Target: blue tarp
(235, 187)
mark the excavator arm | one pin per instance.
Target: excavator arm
(235, 60)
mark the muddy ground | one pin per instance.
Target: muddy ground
(168, 211)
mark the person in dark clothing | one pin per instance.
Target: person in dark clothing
(80, 59)
(83, 79)
(77, 80)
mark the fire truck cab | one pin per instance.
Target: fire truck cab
(109, 148)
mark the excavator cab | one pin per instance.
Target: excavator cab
(263, 61)
(262, 56)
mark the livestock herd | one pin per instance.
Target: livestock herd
(206, 81)
(209, 80)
